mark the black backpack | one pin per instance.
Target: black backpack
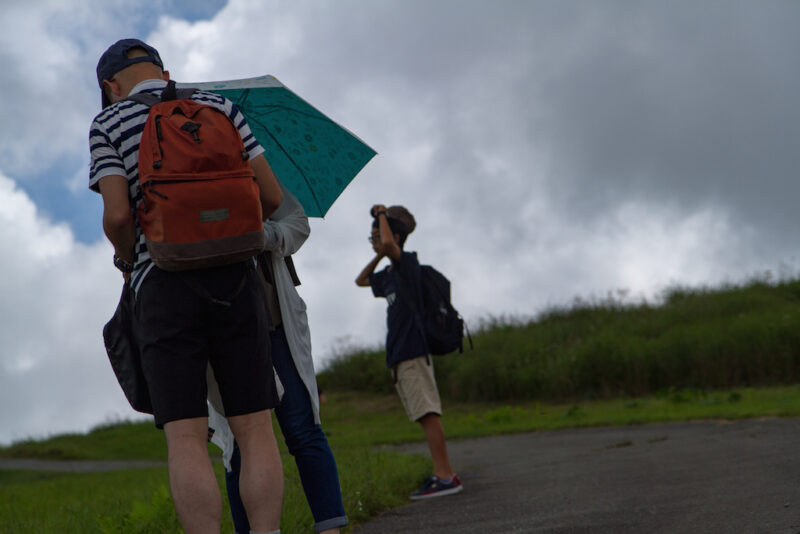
(444, 327)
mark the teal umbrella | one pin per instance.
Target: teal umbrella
(311, 155)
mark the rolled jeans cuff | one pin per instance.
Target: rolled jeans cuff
(333, 522)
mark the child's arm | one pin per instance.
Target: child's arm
(363, 278)
(388, 246)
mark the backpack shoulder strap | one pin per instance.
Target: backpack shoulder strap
(185, 93)
(412, 292)
(148, 99)
(170, 92)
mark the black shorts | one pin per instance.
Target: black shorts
(184, 320)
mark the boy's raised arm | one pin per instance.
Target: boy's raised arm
(363, 278)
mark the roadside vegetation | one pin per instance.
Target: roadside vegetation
(700, 339)
(725, 353)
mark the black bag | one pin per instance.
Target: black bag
(123, 353)
(443, 325)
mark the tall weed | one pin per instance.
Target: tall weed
(701, 338)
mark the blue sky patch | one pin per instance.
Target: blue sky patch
(193, 10)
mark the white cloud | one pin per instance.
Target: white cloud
(244, 39)
(43, 83)
(548, 151)
(56, 296)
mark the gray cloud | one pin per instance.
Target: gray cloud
(690, 105)
(548, 150)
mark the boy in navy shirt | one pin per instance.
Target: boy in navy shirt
(406, 348)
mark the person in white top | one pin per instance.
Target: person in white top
(298, 412)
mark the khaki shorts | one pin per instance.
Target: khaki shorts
(416, 386)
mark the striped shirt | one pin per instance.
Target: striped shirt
(114, 145)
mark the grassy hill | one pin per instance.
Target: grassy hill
(696, 338)
(731, 352)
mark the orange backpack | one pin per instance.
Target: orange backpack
(201, 205)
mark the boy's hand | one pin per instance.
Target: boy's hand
(377, 208)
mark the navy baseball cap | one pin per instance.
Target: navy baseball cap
(116, 58)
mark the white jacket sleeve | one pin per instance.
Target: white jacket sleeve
(288, 228)
(286, 231)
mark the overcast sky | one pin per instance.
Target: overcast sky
(549, 150)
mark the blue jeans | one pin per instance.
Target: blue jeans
(305, 441)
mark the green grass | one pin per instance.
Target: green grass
(727, 353)
(138, 501)
(372, 479)
(703, 338)
(358, 419)
(57, 502)
(118, 441)
(355, 421)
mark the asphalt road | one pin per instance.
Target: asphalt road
(700, 477)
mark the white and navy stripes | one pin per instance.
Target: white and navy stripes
(114, 145)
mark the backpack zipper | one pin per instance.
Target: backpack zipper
(151, 185)
(159, 137)
(151, 188)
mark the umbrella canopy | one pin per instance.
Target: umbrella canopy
(311, 155)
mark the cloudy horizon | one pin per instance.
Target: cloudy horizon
(549, 150)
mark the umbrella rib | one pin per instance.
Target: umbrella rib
(277, 107)
(267, 109)
(242, 100)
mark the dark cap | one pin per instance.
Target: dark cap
(401, 214)
(116, 58)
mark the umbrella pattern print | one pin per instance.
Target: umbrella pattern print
(311, 155)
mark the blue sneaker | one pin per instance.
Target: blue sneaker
(434, 487)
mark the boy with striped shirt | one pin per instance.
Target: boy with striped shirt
(179, 322)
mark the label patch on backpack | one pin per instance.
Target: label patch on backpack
(214, 215)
